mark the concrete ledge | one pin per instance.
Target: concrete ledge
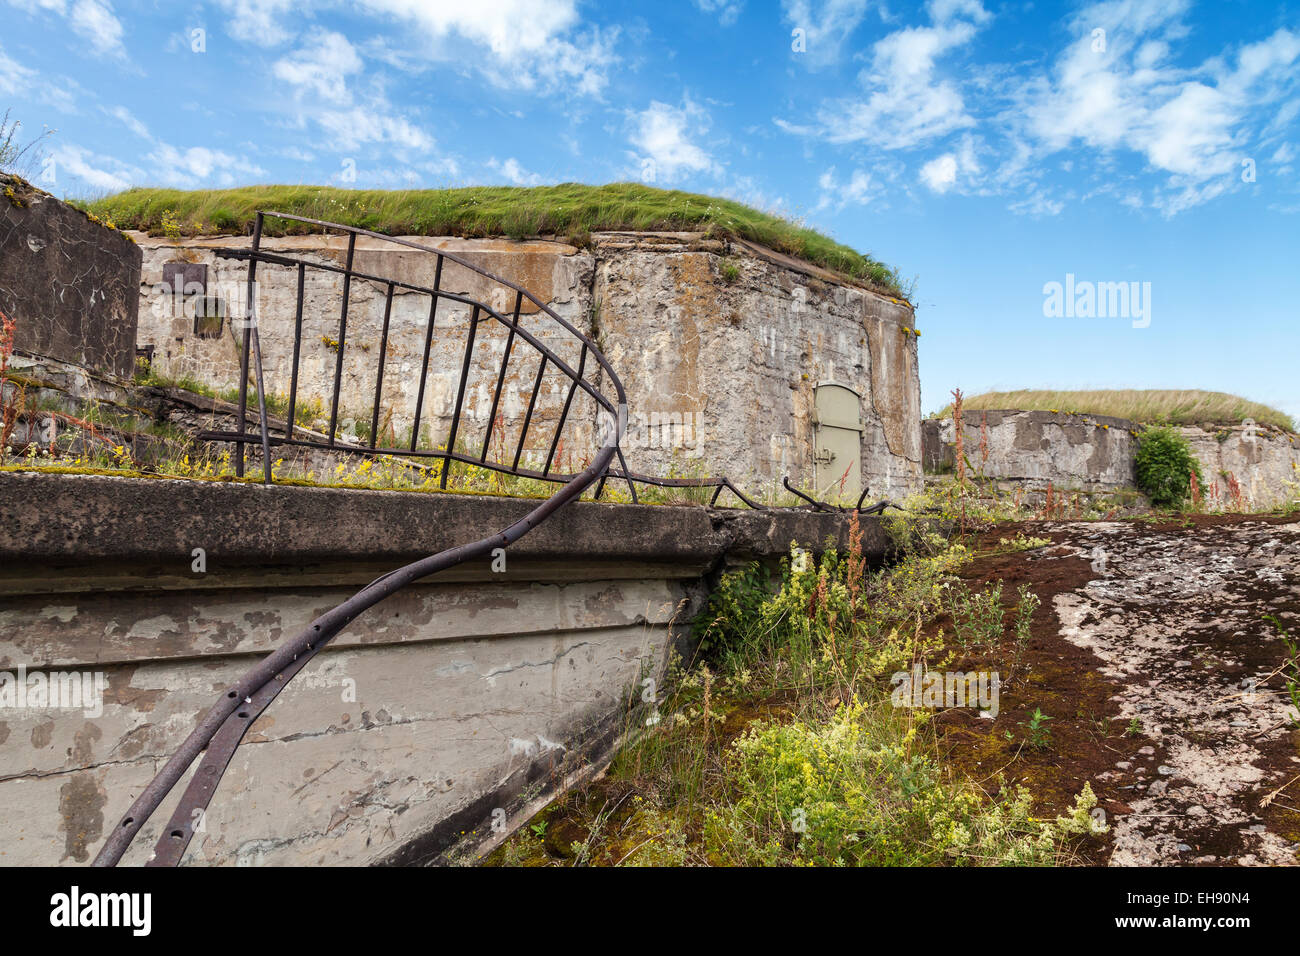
(95, 519)
(463, 696)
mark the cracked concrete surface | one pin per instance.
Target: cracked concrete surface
(368, 750)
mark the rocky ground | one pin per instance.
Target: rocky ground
(1155, 654)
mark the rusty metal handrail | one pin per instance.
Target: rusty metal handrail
(220, 731)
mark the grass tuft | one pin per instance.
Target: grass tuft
(1151, 406)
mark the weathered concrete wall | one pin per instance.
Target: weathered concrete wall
(70, 282)
(1259, 461)
(1091, 452)
(474, 691)
(719, 365)
(1095, 453)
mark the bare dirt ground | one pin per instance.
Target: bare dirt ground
(1153, 656)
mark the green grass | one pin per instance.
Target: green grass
(569, 210)
(1148, 406)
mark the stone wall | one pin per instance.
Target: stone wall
(69, 282)
(719, 344)
(472, 691)
(1095, 453)
(1259, 461)
(1088, 452)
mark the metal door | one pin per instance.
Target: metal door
(837, 441)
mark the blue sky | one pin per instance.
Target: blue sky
(986, 149)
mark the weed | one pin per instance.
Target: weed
(1037, 734)
(1290, 669)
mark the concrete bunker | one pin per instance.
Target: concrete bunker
(730, 352)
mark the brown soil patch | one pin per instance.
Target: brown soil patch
(1147, 640)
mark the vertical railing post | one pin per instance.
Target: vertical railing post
(343, 337)
(501, 380)
(246, 346)
(428, 344)
(257, 353)
(528, 415)
(297, 346)
(460, 397)
(379, 375)
(568, 401)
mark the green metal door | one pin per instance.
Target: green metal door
(837, 441)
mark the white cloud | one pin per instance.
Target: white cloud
(258, 21)
(296, 154)
(515, 173)
(527, 44)
(102, 173)
(1120, 88)
(825, 26)
(95, 21)
(1190, 124)
(14, 77)
(319, 72)
(859, 189)
(19, 80)
(727, 11)
(186, 167)
(129, 120)
(940, 173)
(906, 103)
(508, 28)
(199, 165)
(92, 20)
(1039, 204)
(351, 128)
(321, 66)
(664, 135)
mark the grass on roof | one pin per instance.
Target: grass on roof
(1149, 406)
(568, 210)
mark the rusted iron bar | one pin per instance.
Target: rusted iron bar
(817, 505)
(343, 337)
(568, 401)
(528, 416)
(521, 332)
(247, 346)
(460, 394)
(379, 374)
(297, 348)
(428, 343)
(501, 380)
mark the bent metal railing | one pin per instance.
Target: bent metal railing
(224, 726)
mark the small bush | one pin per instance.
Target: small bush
(1165, 464)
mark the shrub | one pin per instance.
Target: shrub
(1165, 464)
